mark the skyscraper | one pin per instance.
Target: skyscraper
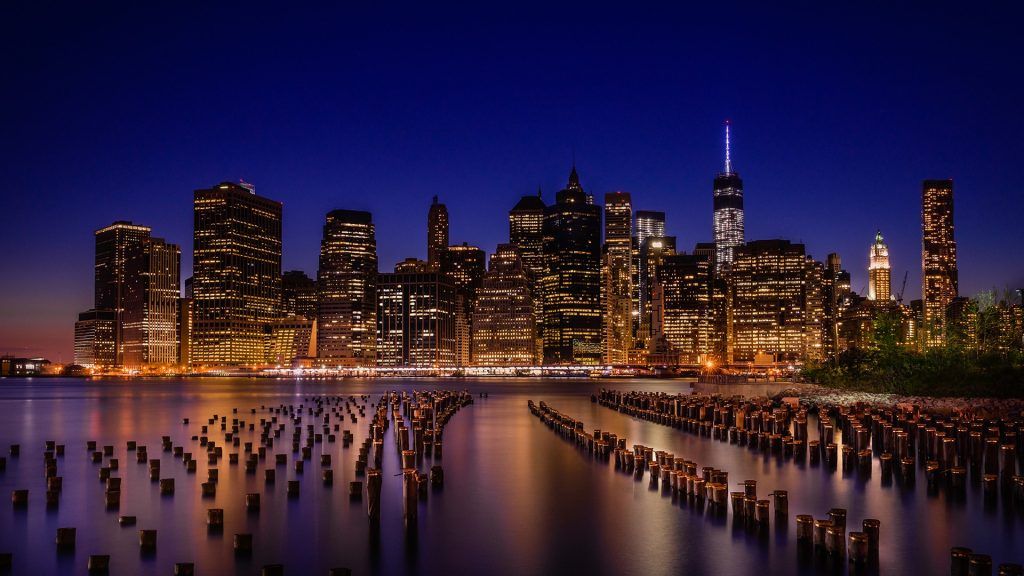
(504, 323)
(346, 332)
(651, 253)
(465, 266)
(617, 281)
(525, 232)
(236, 262)
(649, 224)
(415, 320)
(879, 275)
(150, 316)
(728, 211)
(437, 232)
(114, 244)
(572, 278)
(938, 257)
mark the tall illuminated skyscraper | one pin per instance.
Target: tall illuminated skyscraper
(616, 271)
(879, 275)
(437, 233)
(572, 278)
(236, 280)
(938, 257)
(114, 245)
(416, 320)
(728, 211)
(346, 332)
(150, 318)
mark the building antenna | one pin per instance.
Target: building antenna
(728, 159)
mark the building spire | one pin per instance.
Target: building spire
(728, 159)
(574, 179)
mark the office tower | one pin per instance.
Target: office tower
(961, 323)
(504, 321)
(94, 339)
(650, 255)
(236, 261)
(526, 233)
(298, 294)
(290, 338)
(879, 275)
(465, 265)
(728, 211)
(149, 332)
(570, 286)
(617, 281)
(938, 257)
(437, 232)
(683, 308)
(769, 302)
(649, 224)
(416, 320)
(346, 302)
(113, 245)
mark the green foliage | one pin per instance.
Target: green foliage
(954, 370)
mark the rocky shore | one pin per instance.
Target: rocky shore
(983, 407)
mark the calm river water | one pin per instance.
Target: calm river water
(517, 499)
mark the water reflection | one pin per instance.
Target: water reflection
(517, 498)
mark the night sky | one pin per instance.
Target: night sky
(838, 114)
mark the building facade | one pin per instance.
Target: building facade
(95, 345)
(416, 320)
(298, 294)
(346, 332)
(684, 314)
(236, 264)
(504, 319)
(769, 302)
(571, 282)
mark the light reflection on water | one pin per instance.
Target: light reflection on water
(518, 499)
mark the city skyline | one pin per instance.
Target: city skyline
(826, 158)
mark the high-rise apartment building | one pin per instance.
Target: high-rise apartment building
(879, 274)
(572, 277)
(504, 320)
(617, 280)
(150, 323)
(526, 233)
(728, 211)
(114, 244)
(346, 332)
(939, 277)
(437, 232)
(236, 263)
(651, 253)
(416, 320)
(465, 265)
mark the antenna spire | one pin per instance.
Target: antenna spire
(728, 159)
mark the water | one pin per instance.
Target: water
(518, 499)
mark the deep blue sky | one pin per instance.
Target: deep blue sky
(839, 112)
